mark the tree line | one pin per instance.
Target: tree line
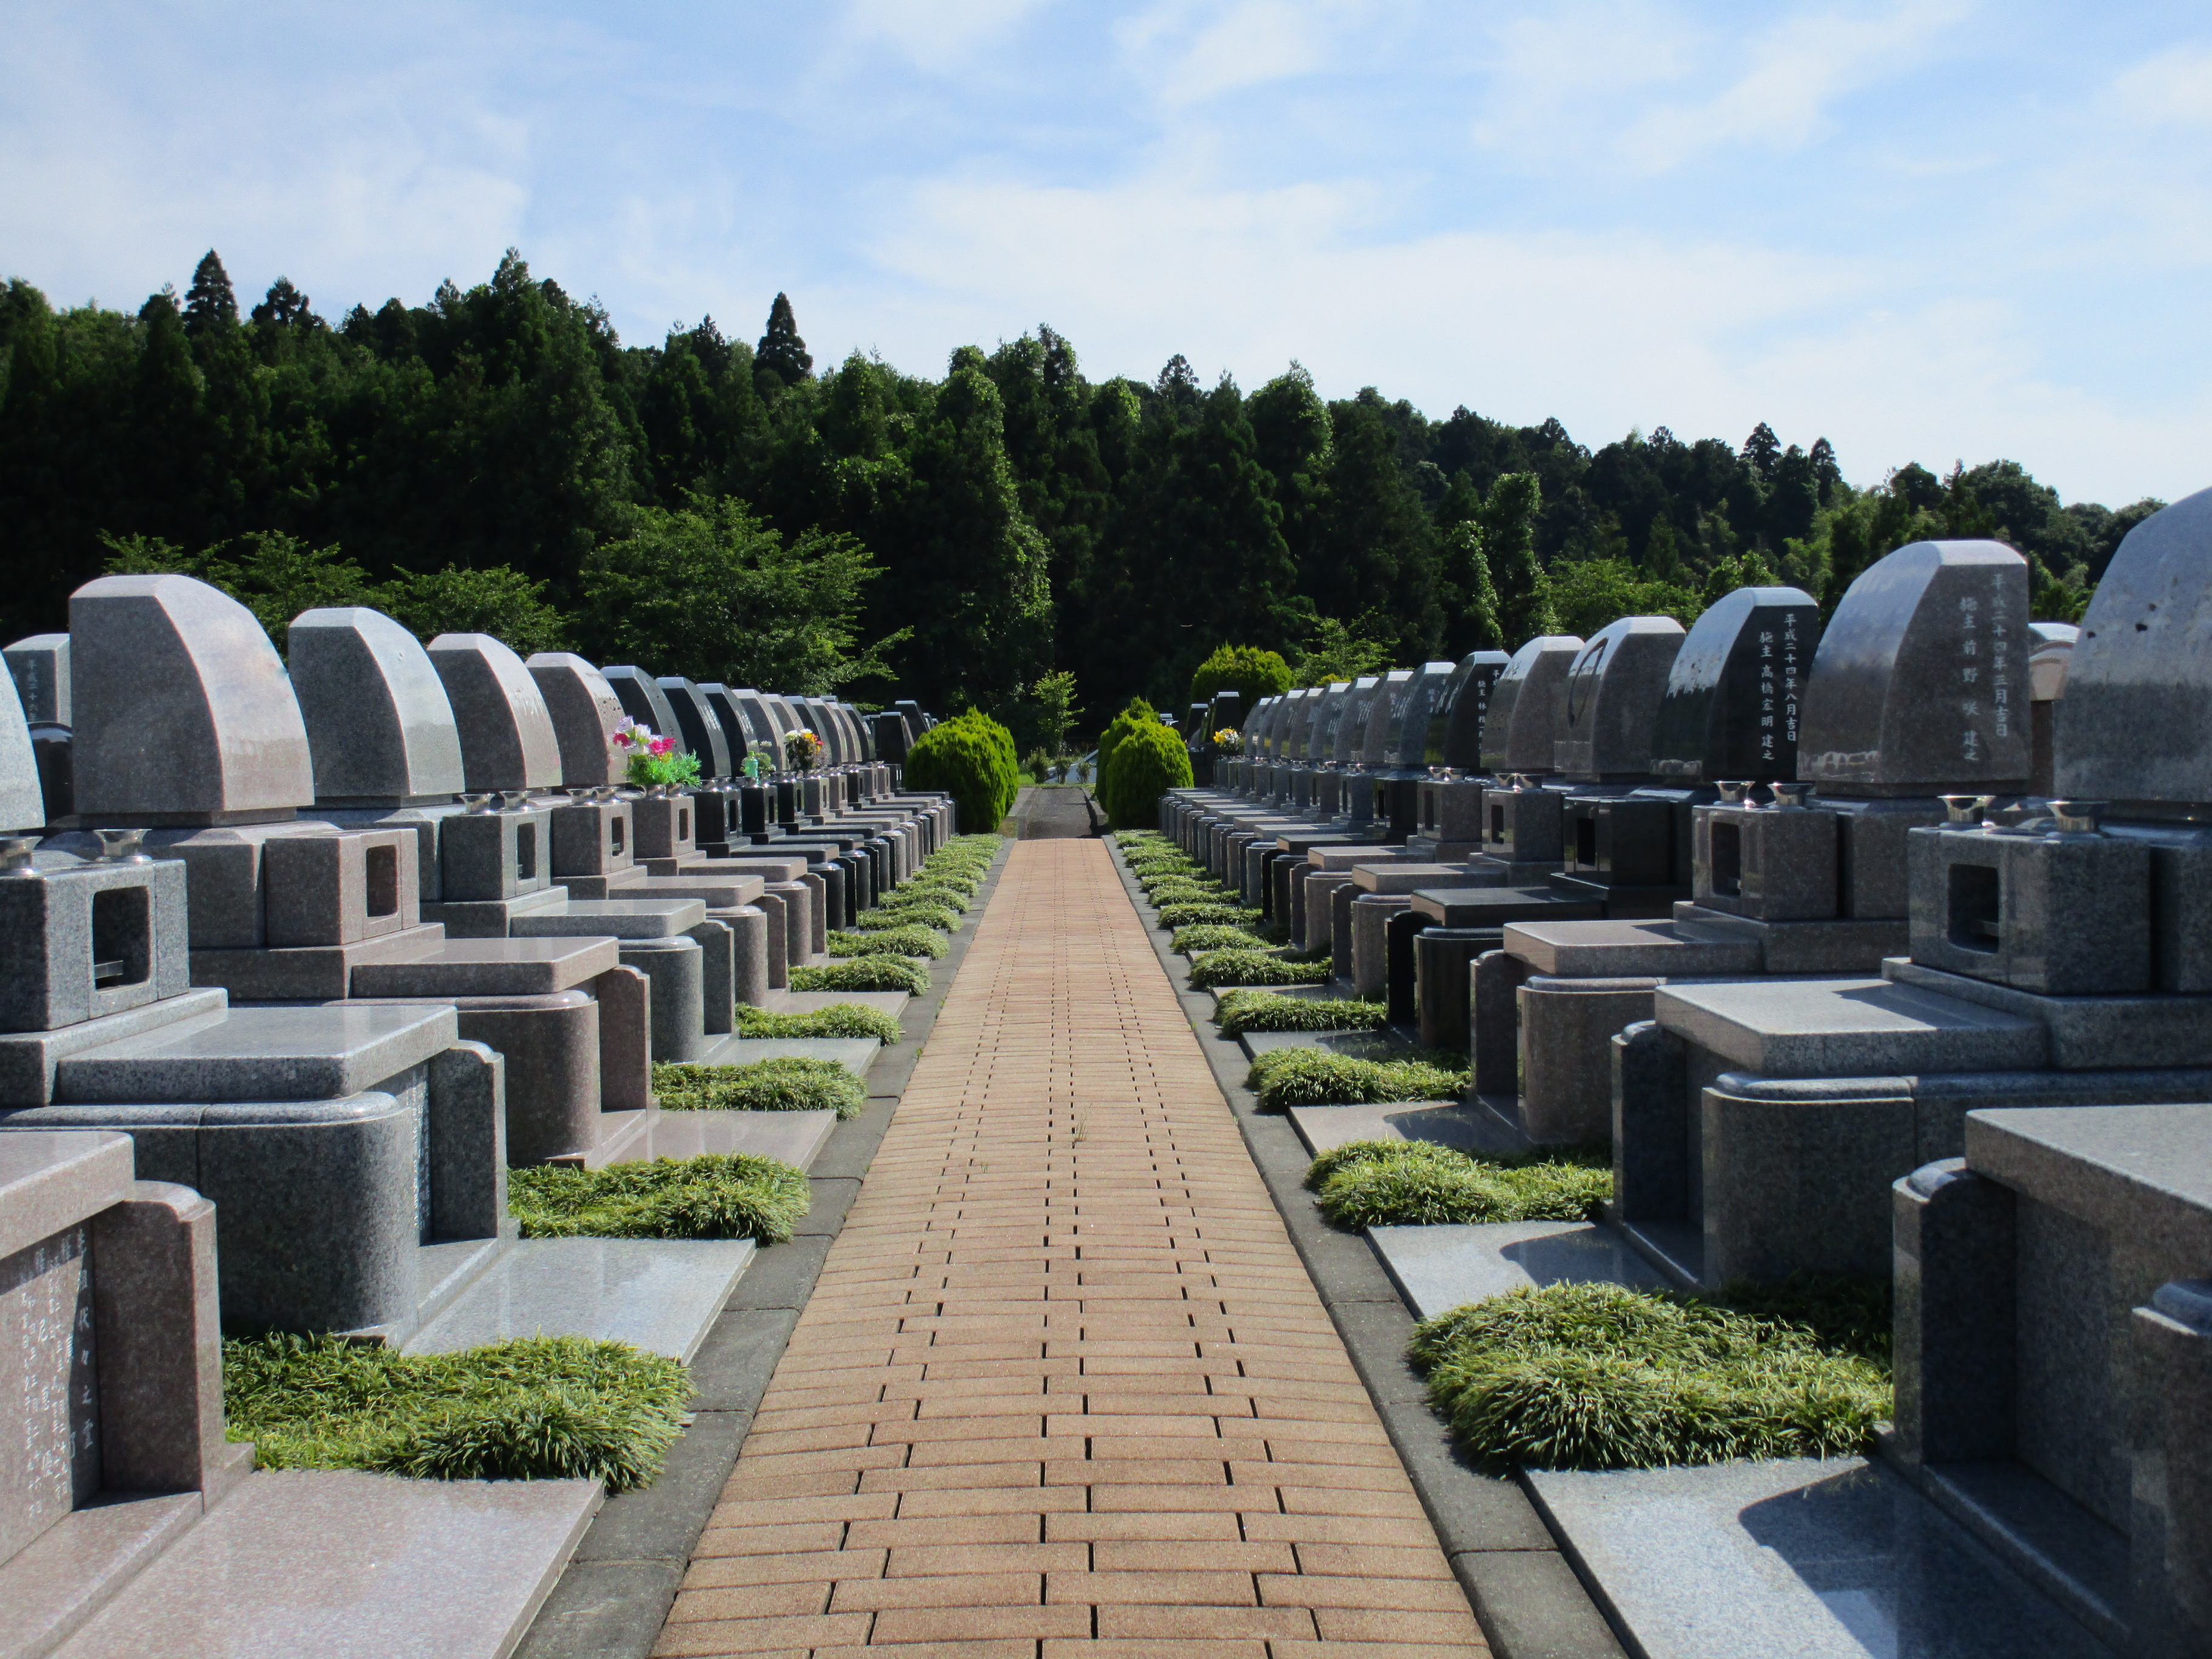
(498, 460)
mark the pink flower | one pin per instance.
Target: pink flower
(662, 745)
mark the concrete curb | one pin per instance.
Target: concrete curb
(614, 1596)
(1525, 1592)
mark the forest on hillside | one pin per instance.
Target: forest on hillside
(498, 460)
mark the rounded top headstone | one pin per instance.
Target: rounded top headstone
(2049, 653)
(701, 733)
(586, 714)
(1454, 738)
(183, 713)
(22, 804)
(379, 725)
(1920, 684)
(1328, 716)
(506, 731)
(644, 701)
(1298, 723)
(1732, 703)
(1386, 713)
(1351, 724)
(1614, 692)
(1408, 744)
(1528, 706)
(2135, 727)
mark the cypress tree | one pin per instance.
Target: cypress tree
(781, 352)
(210, 304)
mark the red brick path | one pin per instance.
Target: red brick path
(1064, 1383)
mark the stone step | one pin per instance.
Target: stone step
(1440, 1267)
(856, 1054)
(327, 1563)
(796, 1138)
(659, 1294)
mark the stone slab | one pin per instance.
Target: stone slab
(856, 1054)
(638, 918)
(1846, 1028)
(260, 1053)
(812, 1002)
(1832, 1558)
(2086, 1032)
(50, 1179)
(29, 1059)
(1448, 1123)
(1436, 1268)
(491, 966)
(793, 1137)
(1600, 950)
(1362, 1045)
(343, 1565)
(658, 1294)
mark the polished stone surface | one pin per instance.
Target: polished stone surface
(506, 731)
(1448, 1123)
(1846, 1028)
(1360, 1045)
(658, 1294)
(1615, 690)
(793, 1137)
(1447, 1267)
(668, 918)
(1730, 707)
(1454, 734)
(338, 1565)
(1580, 949)
(266, 1054)
(40, 667)
(585, 713)
(808, 1002)
(1528, 706)
(490, 966)
(22, 800)
(856, 1054)
(379, 722)
(1816, 1560)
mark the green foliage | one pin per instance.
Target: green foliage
(1146, 763)
(1138, 715)
(1397, 1184)
(1262, 1011)
(715, 1196)
(944, 919)
(791, 1084)
(1215, 969)
(1247, 670)
(844, 1019)
(710, 592)
(1599, 1377)
(1179, 888)
(1314, 1077)
(1214, 936)
(864, 974)
(902, 941)
(971, 758)
(1585, 594)
(781, 354)
(931, 893)
(1200, 914)
(1337, 651)
(1054, 713)
(537, 1408)
(502, 603)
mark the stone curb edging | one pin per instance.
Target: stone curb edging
(614, 1595)
(1526, 1594)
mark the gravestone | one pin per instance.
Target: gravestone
(39, 665)
(506, 730)
(2050, 650)
(695, 721)
(585, 713)
(379, 725)
(644, 701)
(22, 800)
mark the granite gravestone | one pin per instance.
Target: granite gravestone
(1615, 688)
(183, 713)
(701, 730)
(1731, 705)
(586, 714)
(22, 801)
(645, 702)
(506, 730)
(2050, 650)
(39, 665)
(1528, 707)
(379, 725)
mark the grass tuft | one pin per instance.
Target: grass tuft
(1417, 1183)
(914, 941)
(1600, 1376)
(1314, 1077)
(1254, 967)
(715, 1196)
(537, 1408)
(1264, 1010)
(1198, 912)
(846, 1020)
(789, 1084)
(940, 917)
(864, 974)
(1214, 936)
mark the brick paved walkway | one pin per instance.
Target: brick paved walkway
(1064, 1381)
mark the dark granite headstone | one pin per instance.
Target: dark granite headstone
(1921, 681)
(1408, 743)
(41, 668)
(2135, 727)
(696, 723)
(1454, 738)
(1731, 704)
(1352, 725)
(1386, 714)
(644, 701)
(1328, 716)
(1528, 706)
(506, 731)
(1614, 692)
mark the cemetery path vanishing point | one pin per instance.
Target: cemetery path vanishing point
(1064, 1379)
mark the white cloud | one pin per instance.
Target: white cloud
(1189, 53)
(937, 36)
(2174, 87)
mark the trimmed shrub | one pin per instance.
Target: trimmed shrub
(969, 757)
(1214, 936)
(918, 915)
(537, 1408)
(1263, 1010)
(900, 941)
(1417, 1183)
(1192, 915)
(1138, 713)
(714, 1195)
(844, 1019)
(790, 1085)
(1600, 1376)
(922, 893)
(1314, 1077)
(1246, 670)
(1219, 968)
(1149, 762)
(864, 974)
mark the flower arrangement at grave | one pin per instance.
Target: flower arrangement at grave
(802, 751)
(1229, 740)
(652, 760)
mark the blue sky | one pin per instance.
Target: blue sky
(1926, 231)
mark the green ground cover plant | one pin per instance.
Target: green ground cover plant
(536, 1408)
(789, 1084)
(1417, 1183)
(1600, 1376)
(1214, 936)
(1215, 969)
(863, 973)
(1177, 893)
(845, 1020)
(1314, 1077)
(1173, 916)
(1264, 1010)
(912, 940)
(926, 893)
(714, 1195)
(907, 915)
